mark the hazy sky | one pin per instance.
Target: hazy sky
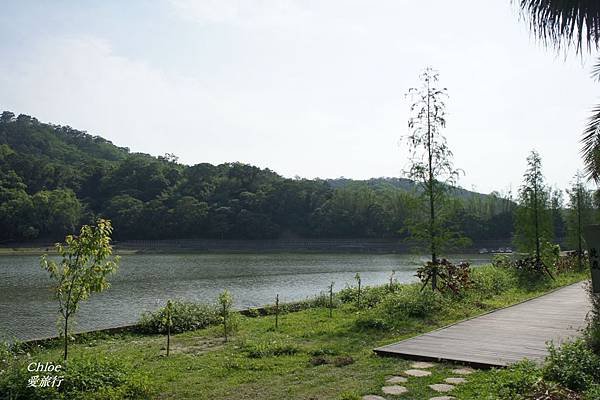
(307, 88)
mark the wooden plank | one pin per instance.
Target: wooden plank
(505, 336)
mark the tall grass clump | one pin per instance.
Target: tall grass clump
(184, 316)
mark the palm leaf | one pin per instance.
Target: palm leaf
(564, 23)
(591, 146)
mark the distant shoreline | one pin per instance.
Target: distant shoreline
(200, 246)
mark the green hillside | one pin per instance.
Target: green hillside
(53, 178)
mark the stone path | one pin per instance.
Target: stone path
(419, 370)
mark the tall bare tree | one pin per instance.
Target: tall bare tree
(430, 164)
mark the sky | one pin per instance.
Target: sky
(307, 88)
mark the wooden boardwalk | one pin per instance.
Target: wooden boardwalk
(505, 336)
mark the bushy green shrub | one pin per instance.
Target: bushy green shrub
(502, 261)
(94, 378)
(592, 330)
(515, 382)
(319, 301)
(488, 281)
(409, 302)
(592, 393)
(573, 365)
(412, 302)
(371, 296)
(186, 316)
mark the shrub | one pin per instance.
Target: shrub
(342, 361)
(502, 261)
(570, 262)
(319, 301)
(411, 302)
(98, 378)
(592, 331)
(573, 365)
(593, 392)
(186, 316)
(449, 277)
(514, 382)
(489, 281)
(371, 296)
(531, 272)
(318, 360)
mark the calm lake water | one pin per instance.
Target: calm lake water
(145, 282)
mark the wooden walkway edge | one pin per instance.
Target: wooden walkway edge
(505, 336)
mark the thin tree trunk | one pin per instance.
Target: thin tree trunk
(431, 192)
(168, 338)
(535, 212)
(277, 311)
(66, 330)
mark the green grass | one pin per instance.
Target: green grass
(261, 363)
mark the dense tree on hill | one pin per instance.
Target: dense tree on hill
(54, 178)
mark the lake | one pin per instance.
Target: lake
(144, 282)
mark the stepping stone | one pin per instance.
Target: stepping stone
(416, 372)
(372, 397)
(441, 387)
(395, 389)
(443, 398)
(422, 365)
(463, 371)
(396, 379)
(455, 381)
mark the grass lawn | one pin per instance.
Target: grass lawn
(260, 362)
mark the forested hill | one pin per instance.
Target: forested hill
(54, 178)
(401, 183)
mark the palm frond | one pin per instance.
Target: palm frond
(564, 23)
(596, 70)
(591, 146)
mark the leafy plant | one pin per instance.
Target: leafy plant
(86, 262)
(431, 165)
(573, 364)
(95, 378)
(445, 276)
(533, 222)
(185, 316)
(226, 302)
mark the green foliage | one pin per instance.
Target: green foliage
(430, 164)
(54, 178)
(489, 281)
(96, 378)
(515, 382)
(86, 261)
(592, 330)
(573, 365)
(411, 302)
(579, 213)
(185, 316)
(228, 318)
(533, 222)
